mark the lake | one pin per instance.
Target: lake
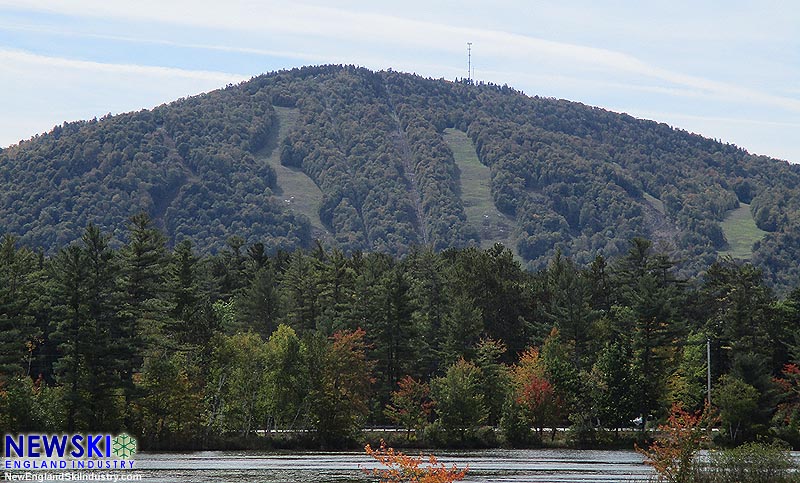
(545, 465)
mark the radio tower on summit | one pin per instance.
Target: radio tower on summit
(469, 62)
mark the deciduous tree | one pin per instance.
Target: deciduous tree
(460, 404)
(341, 379)
(411, 405)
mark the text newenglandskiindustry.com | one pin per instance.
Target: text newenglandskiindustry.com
(71, 476)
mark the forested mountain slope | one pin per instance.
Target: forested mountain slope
(378, 145)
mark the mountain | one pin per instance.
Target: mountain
(387, 161)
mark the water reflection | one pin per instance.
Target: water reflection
(551, 466)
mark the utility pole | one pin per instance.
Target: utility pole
(469, 62)
(708, 368)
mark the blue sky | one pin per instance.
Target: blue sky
(726, 69)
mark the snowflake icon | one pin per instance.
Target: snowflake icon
(124, 446)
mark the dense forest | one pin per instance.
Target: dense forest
(190, 350)
(574, 180)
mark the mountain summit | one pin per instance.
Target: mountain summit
(387, 161)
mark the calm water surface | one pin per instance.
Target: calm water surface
(485, 466)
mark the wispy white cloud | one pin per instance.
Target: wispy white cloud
(276, 18)
(587, 84)
(10, 57)
(154, 41)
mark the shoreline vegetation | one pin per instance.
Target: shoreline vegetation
(674, 453)
(397, 438)
(461, 348)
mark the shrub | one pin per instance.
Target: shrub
(401, 468)
(748, 463)
(673, 452)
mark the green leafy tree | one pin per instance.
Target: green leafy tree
(460, 404)
(169, 412)
(236, 389)
(738, 403)
(687, 384)
(612, 382)
(286, 380)
(559, 370)
(496, 380)
(30, 406)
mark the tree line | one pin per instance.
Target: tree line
(577, 180)
(189, 351)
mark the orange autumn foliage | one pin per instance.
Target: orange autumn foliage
(672, 454)
(401, 468)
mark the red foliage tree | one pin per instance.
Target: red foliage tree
(411, 404)
(401, 468)
(788, 410)
(534, 394)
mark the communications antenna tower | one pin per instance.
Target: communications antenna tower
(469, 62)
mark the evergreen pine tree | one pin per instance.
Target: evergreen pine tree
(432, 298)
(570, 307)
(391, 331)
(461, 330)
(17, 330)
(68, 271)
(144, 307)
(646, 285)
(184, 292)
(301, 292)
(101, 356)
(258, 305)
